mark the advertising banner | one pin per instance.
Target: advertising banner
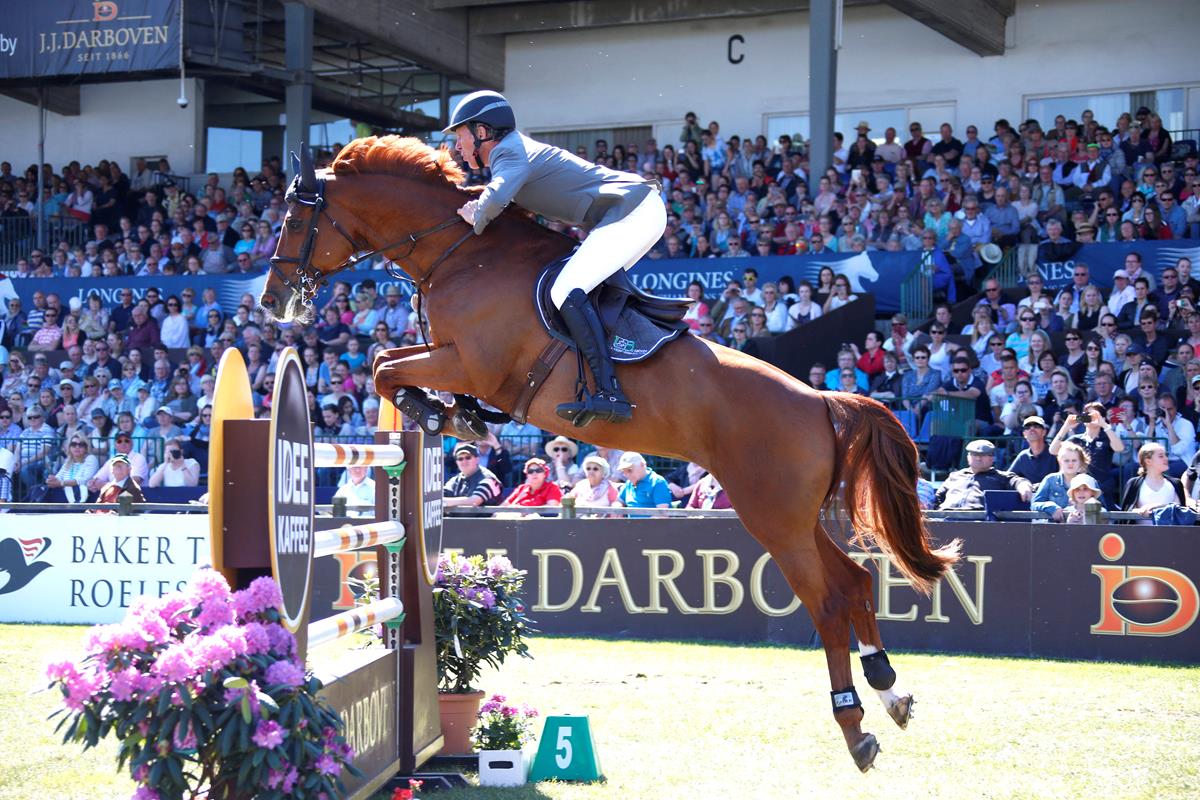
(87, 37)
(1105, 259)
(88, 569)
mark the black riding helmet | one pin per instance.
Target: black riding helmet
(484, 107)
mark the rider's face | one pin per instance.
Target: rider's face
(464, 143)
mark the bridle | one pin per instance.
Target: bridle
(307, 280)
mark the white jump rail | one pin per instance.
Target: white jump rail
(327, 454)
(348, 622)
(356, 537)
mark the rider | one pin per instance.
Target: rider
(624, 214)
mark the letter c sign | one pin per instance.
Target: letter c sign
(737, 38)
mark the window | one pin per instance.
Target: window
(1167, 103)
(570, 140)
(843, 122)
(230, 148)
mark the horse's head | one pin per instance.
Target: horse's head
(324, 233)
(313, 243)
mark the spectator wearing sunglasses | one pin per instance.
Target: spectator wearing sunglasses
(538, 489)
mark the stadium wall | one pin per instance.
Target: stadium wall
(122, 119)
(654, 73)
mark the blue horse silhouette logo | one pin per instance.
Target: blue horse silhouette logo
(19, 564)
(858, 269)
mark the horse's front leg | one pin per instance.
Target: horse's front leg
(399, 373)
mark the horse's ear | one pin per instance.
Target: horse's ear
(295, 164)
(308, 175)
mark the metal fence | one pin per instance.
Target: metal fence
(18, 236)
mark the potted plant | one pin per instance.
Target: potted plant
(479, 619)
(500, 737)
(204, 692)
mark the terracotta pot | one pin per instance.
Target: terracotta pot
(459, 714)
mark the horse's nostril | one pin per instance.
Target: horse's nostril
(267, 300)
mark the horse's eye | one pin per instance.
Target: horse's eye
(294, 223)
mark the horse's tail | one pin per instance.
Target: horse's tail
(878, 463)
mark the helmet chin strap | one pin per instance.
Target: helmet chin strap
(491, 137)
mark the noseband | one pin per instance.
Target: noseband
(307, 280)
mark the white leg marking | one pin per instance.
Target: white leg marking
(888, 696)
(865, 649)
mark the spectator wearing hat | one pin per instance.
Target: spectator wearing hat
(119, 480)
(474, 485)
(1052, 493)
(643, 487)
(964, 488)
(537, 490)
(1123, 292)
(1033, 463)
(595, 490)
(123, 446)
(561, 453)
(1083, 488)
(167, 429)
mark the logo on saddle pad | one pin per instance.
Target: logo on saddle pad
(622, 345)
(1142, 601)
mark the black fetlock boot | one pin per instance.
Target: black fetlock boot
(422, 407)
(608, 402)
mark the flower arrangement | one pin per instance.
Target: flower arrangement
(204, 692)
(414, 786)
(502, 726)
(478, 616)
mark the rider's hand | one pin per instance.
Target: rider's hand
(468, 211)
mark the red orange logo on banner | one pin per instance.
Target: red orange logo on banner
(1142, 601)
(104, 11)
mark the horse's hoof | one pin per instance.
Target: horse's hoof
(901, 710)
(467, 427)
(864, 752)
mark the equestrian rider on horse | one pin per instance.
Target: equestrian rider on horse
(623, 213)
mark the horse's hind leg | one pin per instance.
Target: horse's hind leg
(878, 671)
(830, 605)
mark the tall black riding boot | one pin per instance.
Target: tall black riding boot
(608, 402)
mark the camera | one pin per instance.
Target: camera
(182, 102)
(176, 453)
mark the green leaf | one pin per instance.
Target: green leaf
(235, 682)
(246, 709)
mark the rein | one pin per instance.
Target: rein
(308, 280)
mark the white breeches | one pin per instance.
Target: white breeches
(612, 246)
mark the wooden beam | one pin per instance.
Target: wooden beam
(977, 25)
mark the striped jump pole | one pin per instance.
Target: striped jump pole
(356, 537)
(326, 454)
(341, 625)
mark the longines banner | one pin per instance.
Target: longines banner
(88, 569)
(87, 37)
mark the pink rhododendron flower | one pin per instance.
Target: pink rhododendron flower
(287, 673)
(124, 683)
(268, 734)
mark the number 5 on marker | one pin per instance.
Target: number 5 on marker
(562, 754)
(566, 751)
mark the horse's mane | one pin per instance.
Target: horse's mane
(407, 157)
(395, 155)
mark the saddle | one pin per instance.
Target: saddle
(636, 324)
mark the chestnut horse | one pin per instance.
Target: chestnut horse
(780, 449)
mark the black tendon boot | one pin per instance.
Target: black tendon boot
(608, 403)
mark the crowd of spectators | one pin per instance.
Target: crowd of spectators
(133, 380)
